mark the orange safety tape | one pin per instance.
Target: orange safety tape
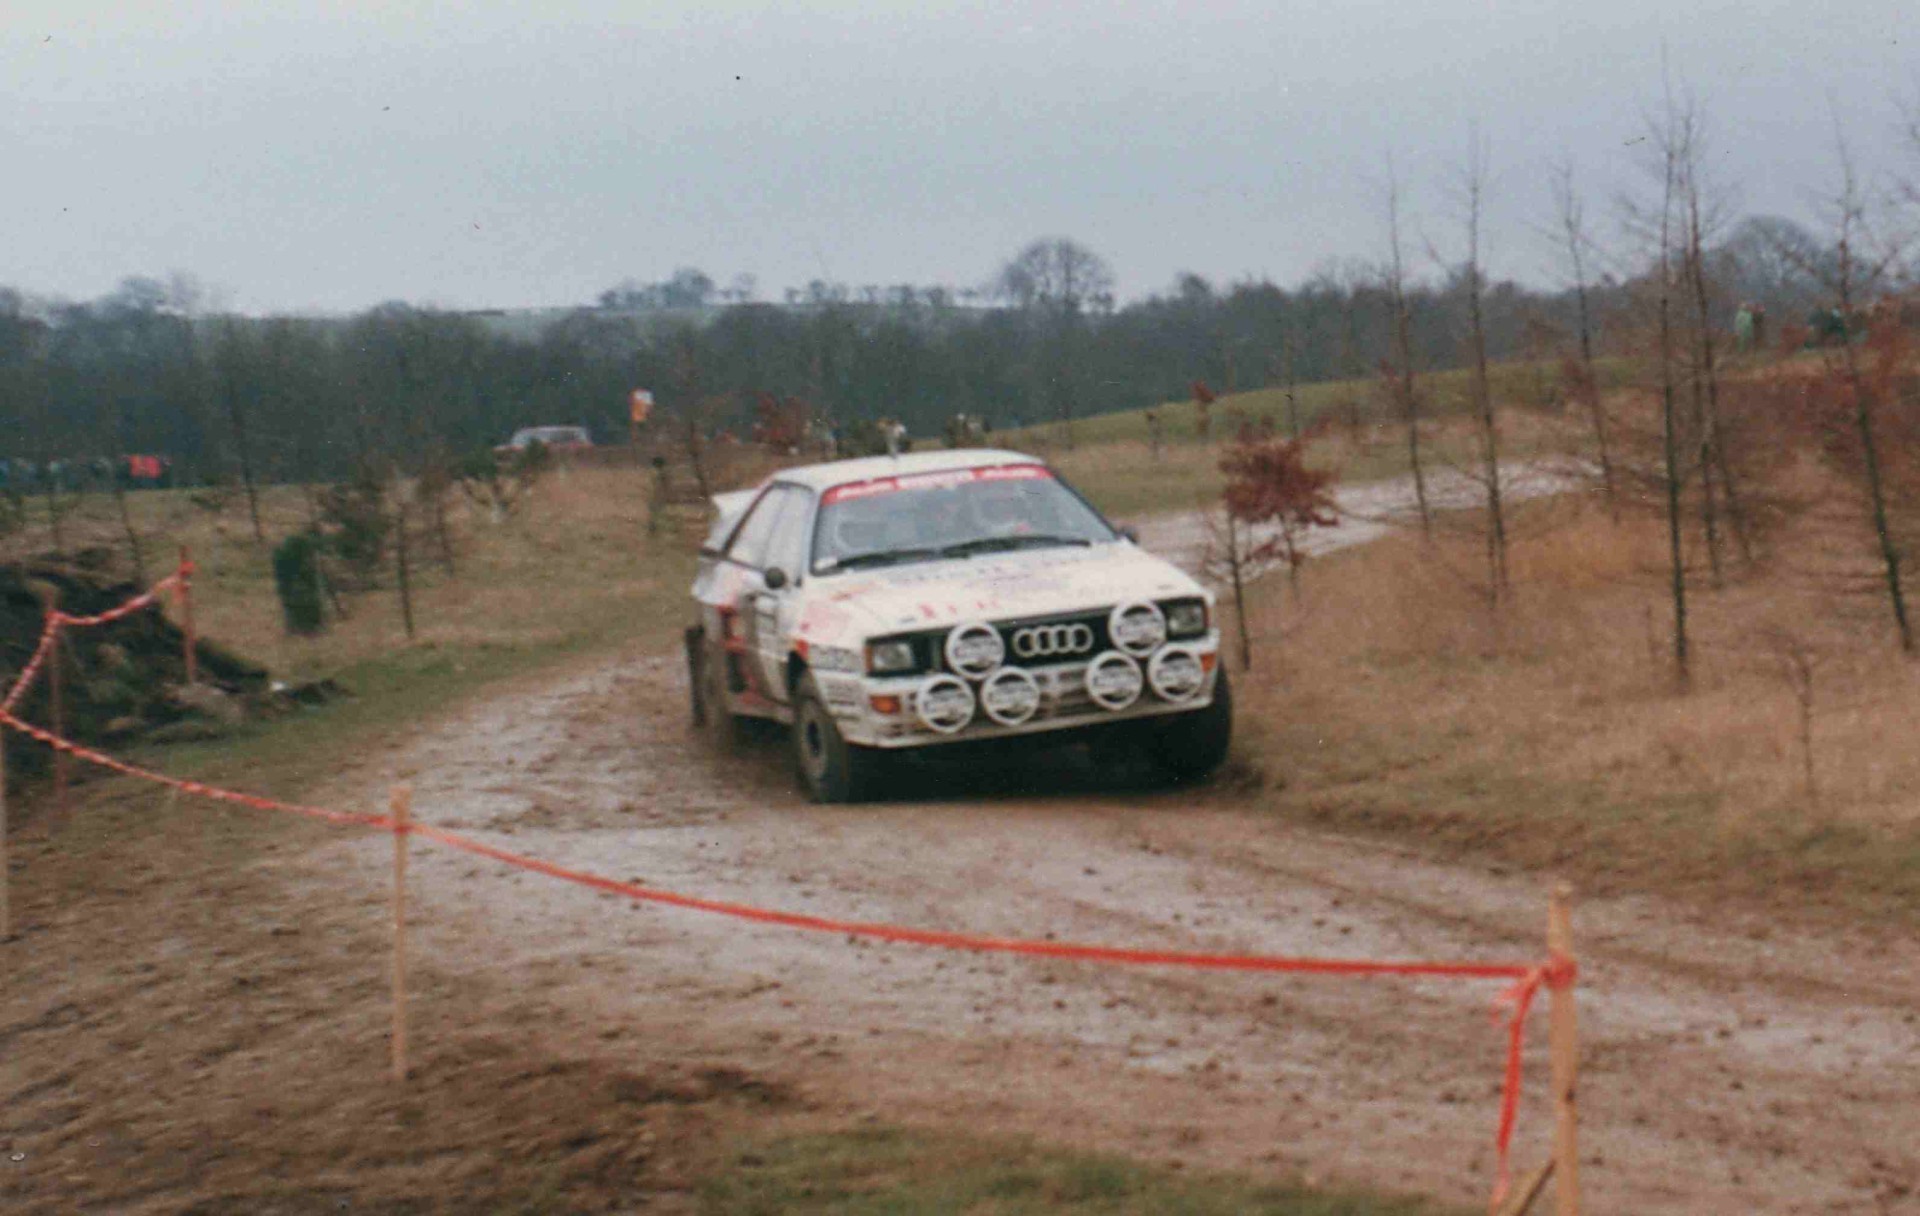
(132, 606)
(189, 787)
(49, 634)
(1557, 972)
(57, 619)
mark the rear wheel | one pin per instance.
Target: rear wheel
(1190, 746)
(830, 768)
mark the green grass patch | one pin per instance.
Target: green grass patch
(890, 1172)
(1111, 460)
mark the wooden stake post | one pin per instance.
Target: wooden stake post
(1563, 1041)
(402, 806)
(1522, 1198)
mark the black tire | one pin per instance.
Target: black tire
(705, 671)
(1190, 746)
(829, 768)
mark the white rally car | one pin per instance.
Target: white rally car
(941, 598)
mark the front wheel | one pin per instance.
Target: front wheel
(1190, 746)
(830, 768)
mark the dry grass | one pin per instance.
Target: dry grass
(1554, 735)
(1116, 469)
(575, 563)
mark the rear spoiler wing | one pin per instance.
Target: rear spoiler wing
(727, 510)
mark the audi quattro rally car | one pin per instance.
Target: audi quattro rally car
(945, 597)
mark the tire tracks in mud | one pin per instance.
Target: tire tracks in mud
(1731, 1066)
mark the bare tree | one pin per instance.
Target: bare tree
(1666, 134)
(431, 489)
(116, 482)
(1575, 240)
(235, 370)
(693, 409)
(1054, 282)
(402, 570)
(1229, 551)
(1472, 186)
(1864, 257)
(1701, 214)
(1400, 372)
(1289, 358)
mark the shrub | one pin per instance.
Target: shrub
(296, 577)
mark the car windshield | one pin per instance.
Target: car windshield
(955, 513)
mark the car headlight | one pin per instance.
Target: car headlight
(1187, 619)
(890, 658)
(833, 658)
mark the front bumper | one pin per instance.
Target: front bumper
(882, 711)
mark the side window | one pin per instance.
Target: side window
(788, 549)
(749, 547)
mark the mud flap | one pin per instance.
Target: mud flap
(695, 639)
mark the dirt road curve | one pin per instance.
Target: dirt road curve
(1733, 1065)
(1367, 510)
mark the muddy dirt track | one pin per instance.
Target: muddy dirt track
(1732, 1064)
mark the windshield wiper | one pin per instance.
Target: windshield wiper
(987, 544)
(881, 557)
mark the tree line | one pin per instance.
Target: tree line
(148, 368)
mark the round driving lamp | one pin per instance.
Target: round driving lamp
(975, 649)
(1176, 673)
(1114, 681)
(1010, 696)
(1137, 628)
(944, 704)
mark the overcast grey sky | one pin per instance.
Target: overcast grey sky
(495, 154)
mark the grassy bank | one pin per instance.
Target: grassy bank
(1388, 697)
(572, 574)
(1111, 457)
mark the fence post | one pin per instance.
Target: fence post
(401, 803)
(186, 616)
(1563, 1041)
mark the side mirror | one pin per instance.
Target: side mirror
(776, 578)
(1130, 532)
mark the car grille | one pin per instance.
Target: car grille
(1048, 641)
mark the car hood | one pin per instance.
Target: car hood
(1001, 586)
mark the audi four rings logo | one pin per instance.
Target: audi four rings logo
(1040, 641)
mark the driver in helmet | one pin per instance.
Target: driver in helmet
(1001, 510)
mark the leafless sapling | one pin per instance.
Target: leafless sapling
(1574, 238)
(1400, 371)
(1472, 186)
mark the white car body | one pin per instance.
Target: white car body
(773, 617)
